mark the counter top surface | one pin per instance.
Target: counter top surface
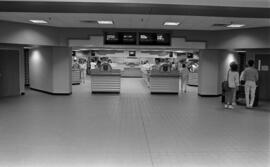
(114, 72)
(164, 74)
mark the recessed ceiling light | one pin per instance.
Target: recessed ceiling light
(170, 23)
(235, 25)
(38, 21)
(105, 22)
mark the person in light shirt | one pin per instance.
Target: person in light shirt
(184, 77)
(233, 83)
(250, 76)
(83, 67)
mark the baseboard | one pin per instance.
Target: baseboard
(209, 95)
(131, 76)
(102, 92)
(165, 93)
(51, 93)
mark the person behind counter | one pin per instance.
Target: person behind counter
(98, 65)
(75, 64)
(93, 64)
(157, 64)
(250, 76)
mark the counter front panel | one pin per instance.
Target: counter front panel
(106, 81)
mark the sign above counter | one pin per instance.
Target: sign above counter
(134, 38)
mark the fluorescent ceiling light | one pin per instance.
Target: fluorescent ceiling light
(105, 22)
(170, 23)
(38, 21)
(235, 25)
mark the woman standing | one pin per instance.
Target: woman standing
(233, 83)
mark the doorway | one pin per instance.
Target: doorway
(263, 64)
(9, 72)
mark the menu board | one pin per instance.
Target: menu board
(130, 38)
(163, 39)
(120, 38)
(154, 39)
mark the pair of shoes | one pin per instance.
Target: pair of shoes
(231, 107)
(226, 106)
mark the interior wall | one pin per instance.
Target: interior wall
(209, 72)
(226, 39)
(61, 60)
(19, 33)
(253, 38)
(40, 68)
(50, 69)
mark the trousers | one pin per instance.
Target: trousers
(250, 89)
(229, 96)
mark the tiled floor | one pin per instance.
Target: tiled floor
(133, 129)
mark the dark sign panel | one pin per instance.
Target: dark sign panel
(130, 38)
(120, 38)
(154, 39)
(163, 39)
(111, 38)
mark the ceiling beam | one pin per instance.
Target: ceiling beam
(133, 8)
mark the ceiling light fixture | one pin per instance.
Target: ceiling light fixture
(235, 25)
(39, 21)
(105, 22)
(170, 23)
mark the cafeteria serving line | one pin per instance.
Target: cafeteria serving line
(160, 69)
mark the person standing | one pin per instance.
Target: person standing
(83, 67)
(184, 77)
(233, 83)
(250, 75)
(157, 64)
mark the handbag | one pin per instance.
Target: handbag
(225, 84)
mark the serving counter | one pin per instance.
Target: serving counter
(76, 76)
(105, 81)
(164, 82)
(192, 79)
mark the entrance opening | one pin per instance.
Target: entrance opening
(135, 66)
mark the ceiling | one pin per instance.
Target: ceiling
(230, 3)
(144, 14)
(132, 21)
